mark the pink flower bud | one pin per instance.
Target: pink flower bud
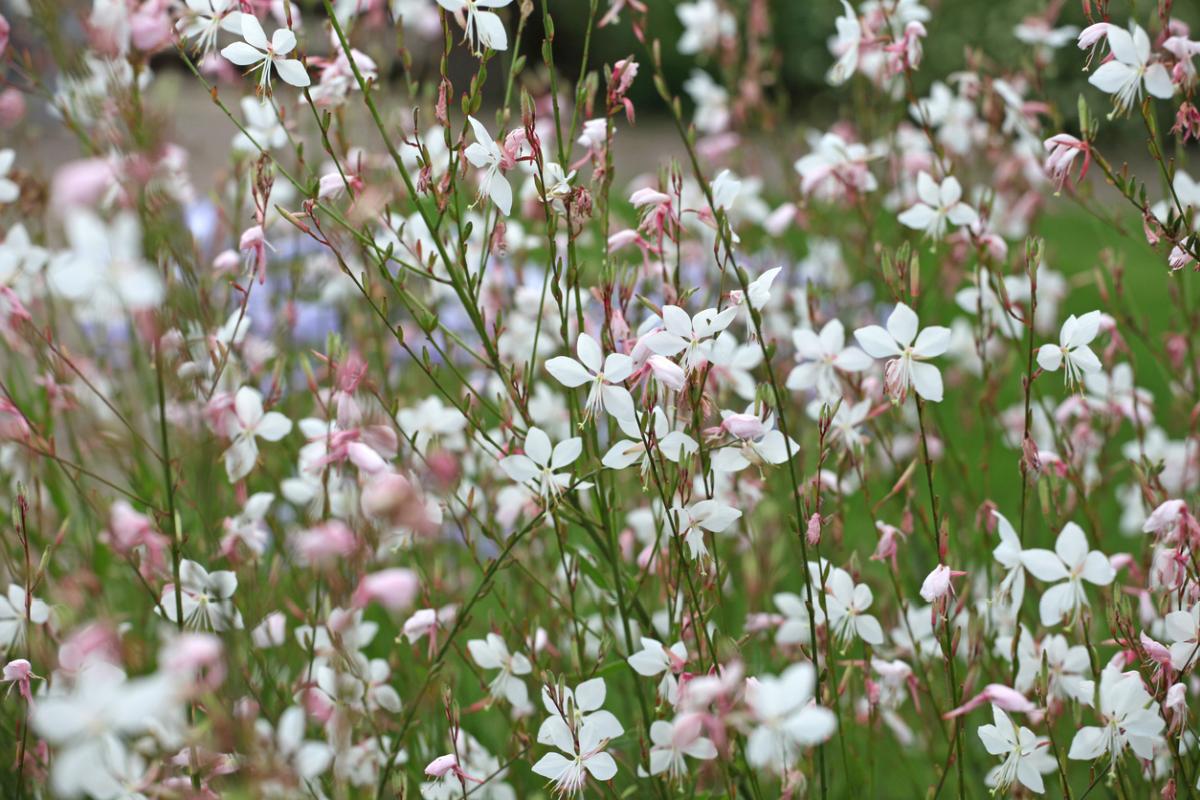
(744, 426)
(667, 372)
(17, 670)
(441, 766)
(813, 533)
(937, 583)
(12, 107)
(394, 589)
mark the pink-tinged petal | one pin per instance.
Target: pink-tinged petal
(568, 371)
(927, 380)
(242, 54)
(877, 342)
(902, 325)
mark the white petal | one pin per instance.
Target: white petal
(902, 325)
(877, 342)
(568, 371)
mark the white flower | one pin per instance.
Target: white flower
(906, 367)
(787, 717)
(604, 374)
(13, 620)
(308, 759)
(653, 659)
(104, 272)
(433, 422)
(835, 167)
(673, 445)
(483, 27)
(246, 423)
(847, 603)
(206, 598)
(846, 421)
(767, 446)
(821, 356)
(1067, 667)
(485, 154)
(84, 726)
(256, 52)
(795, 628)
(938, 204)
(205, 19)
(492, 653)
(1183, 629)
(1072, 563)
(1025, 755)
(1073, 340)
(711, 99)
(9, 191)
(683, 334)
(1129, 69)
(672, 741)
(705, 25)
(1129, 715)
(583, 735)
(705, 515)
(538, 466)
(845, 46)
(263, 128)
(1011, 589)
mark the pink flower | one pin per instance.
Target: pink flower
(937, 585)
(19, 672)
(1063, 149)
(997, 694)
(394, 589)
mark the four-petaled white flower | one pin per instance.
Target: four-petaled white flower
(486, 155)
(683, 334)
(1072, 563)
(258, 53)
(788, 718)
(582, 730)
(538, 466)
(938, 204)
(672, 444)
(672, 741)
(821, 357)
(492, 653)
(705, 515)
(206, 599)
(1073, 352)
(1130, 718)
(1025, 755)
(1130, 69)
(605, 374)
(245, 424)
(653, 659)
(847, 603)
(483, 27)
(907, 352)
(13, 619)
